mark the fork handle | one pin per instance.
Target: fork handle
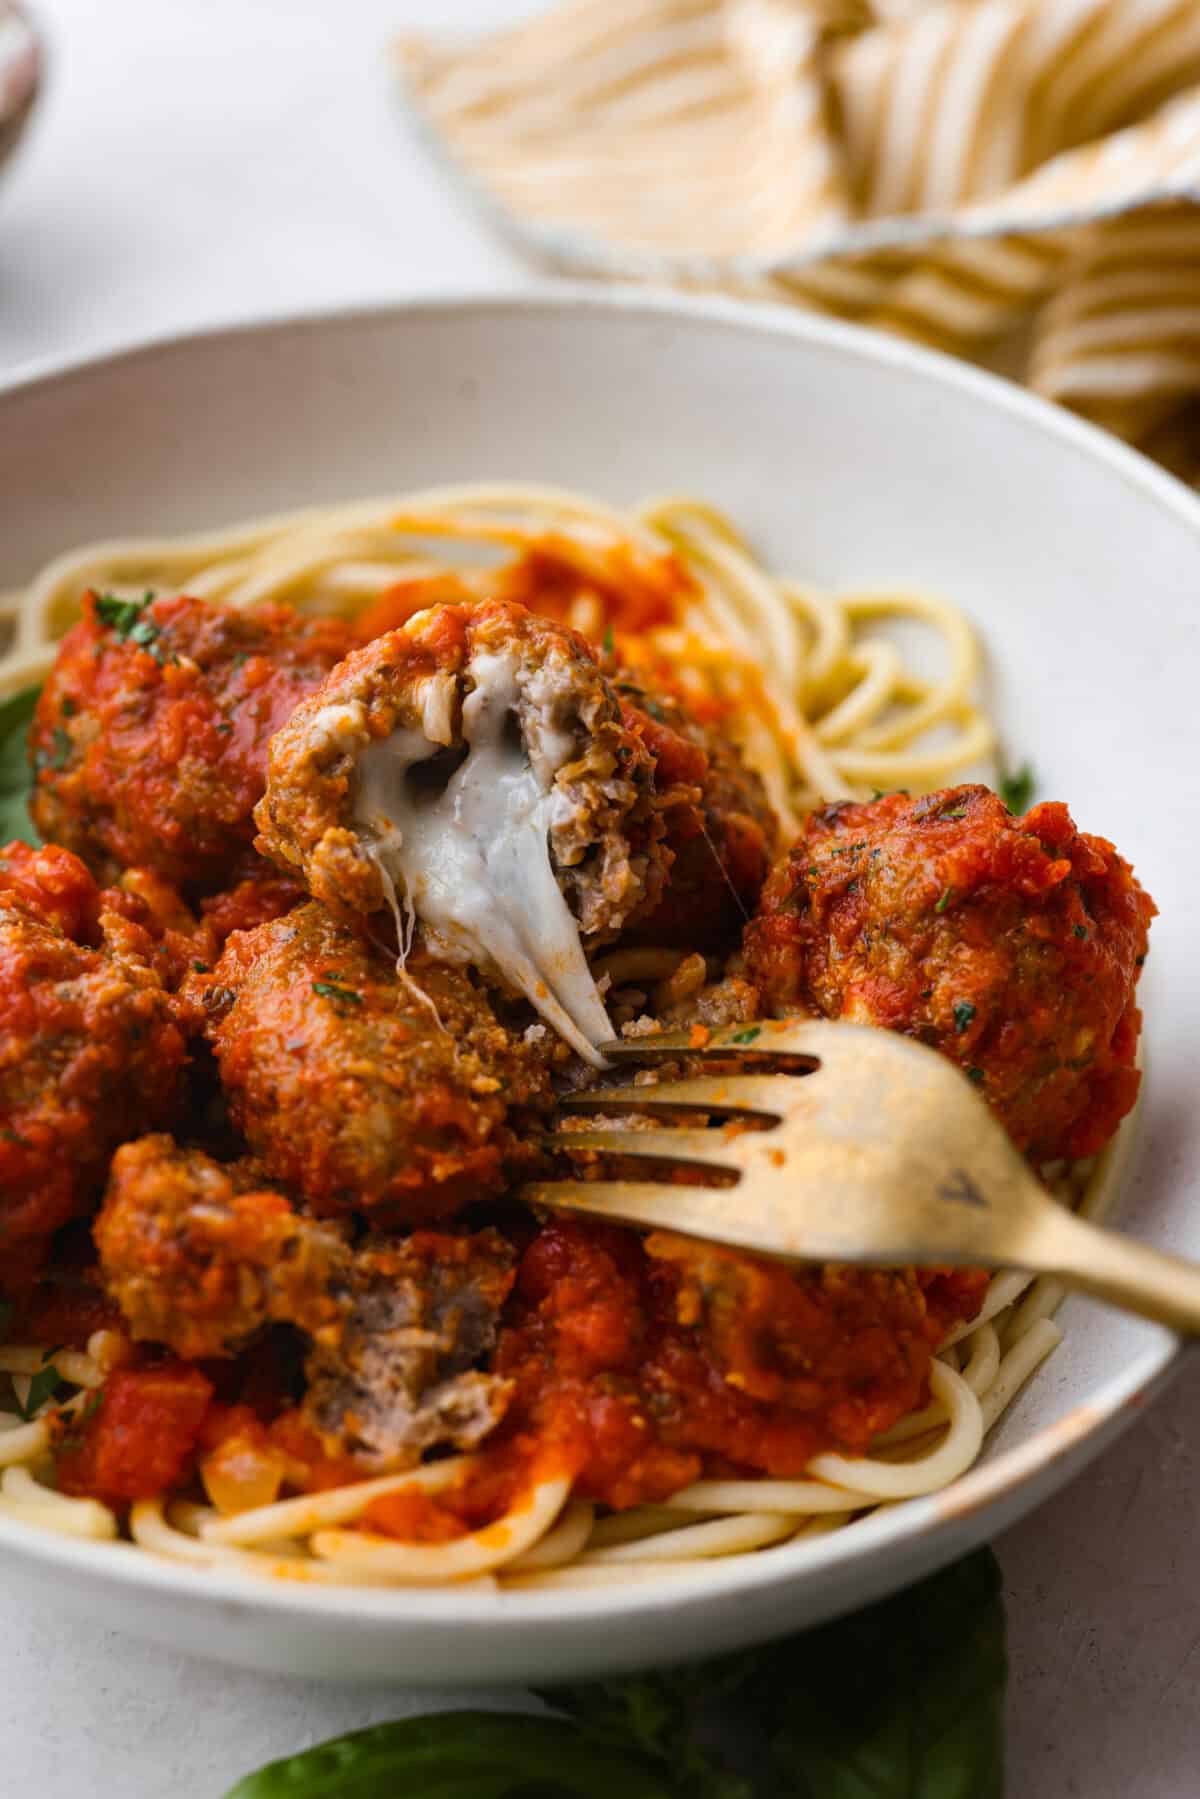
(1119, 1269)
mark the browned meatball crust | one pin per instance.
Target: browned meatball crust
(91, 1049)
(359, 1089)
(200, 1256)
(1013, 945)
(149, 743)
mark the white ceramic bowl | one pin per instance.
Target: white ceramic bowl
(850, 459)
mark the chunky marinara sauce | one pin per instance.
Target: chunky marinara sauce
(640, 1366)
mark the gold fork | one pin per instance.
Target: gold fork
(883, 1152)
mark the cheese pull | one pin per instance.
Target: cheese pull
(469, 854)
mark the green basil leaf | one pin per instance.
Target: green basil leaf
(43, 1386)
(459, 1755)
(16, 775)
(657, 1714)
(902, 1701)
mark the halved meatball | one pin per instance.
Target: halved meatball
(360, 1089)
(1013, 945)
(475, 767)
(91, 1050)
(400, 1378)
(200, 1257)
(149, 743)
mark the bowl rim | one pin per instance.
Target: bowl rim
(1082, 1432)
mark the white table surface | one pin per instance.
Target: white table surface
(196, 163)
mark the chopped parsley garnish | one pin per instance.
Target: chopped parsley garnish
(1016, 789)
(125, 619)
(945, 900)
(1081, 932)
(200, 968)
(976, 1075)
(43, 1386)
(332, 990)
(607, 645)
(964, 1012)
(747, 1036)
(121, 615)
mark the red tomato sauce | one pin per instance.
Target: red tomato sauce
(140, 1438)
(638, 1369)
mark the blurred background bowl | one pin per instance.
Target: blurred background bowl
(20, 74)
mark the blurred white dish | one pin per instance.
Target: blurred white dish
(849, 459)
(20, 73)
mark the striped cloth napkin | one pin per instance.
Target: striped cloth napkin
(1017, 181)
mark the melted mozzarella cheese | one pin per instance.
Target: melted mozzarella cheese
(472, 859)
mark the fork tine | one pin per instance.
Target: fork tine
(707, 1149)
(755, 1095)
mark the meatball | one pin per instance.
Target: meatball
(400, 1377)
(149, 742)
(362, 1089)
(200, 1257)
(55, 886)
(257, 893)
(720, 832)
(475, 765)
(143, 910)
(91, 1051)
(1013, 945)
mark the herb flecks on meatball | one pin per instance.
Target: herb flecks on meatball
(359, 1089)
(1013, 945)
(149, 743)
(475, 768)
(200, 1256)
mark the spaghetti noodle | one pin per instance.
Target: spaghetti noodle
(827, 705)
